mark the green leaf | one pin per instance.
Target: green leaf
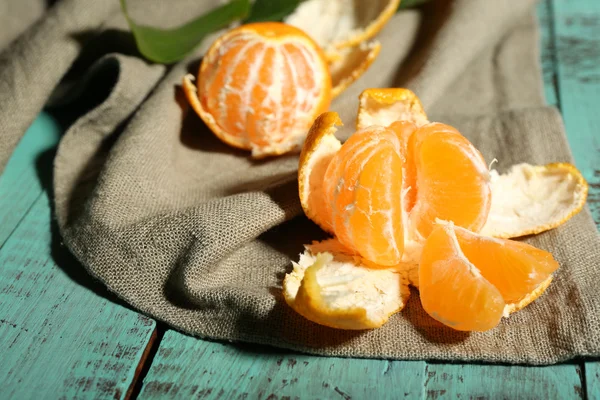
(272, 10)
(169, 45)
(411, 3)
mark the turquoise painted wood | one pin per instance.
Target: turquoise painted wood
(545, 17)
(59, 334)
(452, 381)
(577, 43)
(592, 380)
(21, 185)
(185, 367)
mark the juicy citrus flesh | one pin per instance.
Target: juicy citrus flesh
(466, 280)
(387, 182)
(452, 179)
(263, 85)
(514, 268)
(363, 195)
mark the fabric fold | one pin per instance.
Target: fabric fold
(33, 64)
(197, 234)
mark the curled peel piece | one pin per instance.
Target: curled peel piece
(338, 24)
(532, 199)
(344, 29)
(385, 106)
(351, 64)
(319, 148)
(332, 288)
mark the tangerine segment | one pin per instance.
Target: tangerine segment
(404, 130)
(530, 199)
(332, 287)
(385, 106)
(452, 289)
(363, 195)
(260, 86)
(514, 268)
(452, 180)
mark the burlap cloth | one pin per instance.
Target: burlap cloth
(198, 235)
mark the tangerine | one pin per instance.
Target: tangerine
(260, 87)
(388, 184)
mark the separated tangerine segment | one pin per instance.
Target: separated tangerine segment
(466, 280)
(515, 268)
(452, 180)
(260, 87)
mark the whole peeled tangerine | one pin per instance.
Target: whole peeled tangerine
(261, 86)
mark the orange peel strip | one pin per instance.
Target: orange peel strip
(336, 290)
(352, 63)
(319, 148)
(339, 24)
(532, 199)
(385, 106)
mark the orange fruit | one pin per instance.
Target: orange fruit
(466, 280)
(385, 183)
(399, 164)
(260, 87)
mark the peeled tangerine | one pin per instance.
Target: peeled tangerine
(383, 195)
(261, 85)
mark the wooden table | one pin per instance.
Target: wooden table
(63, 335)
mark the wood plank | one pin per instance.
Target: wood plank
(447, 381)
(592, 380)
(577, 30)
(21, 186)
(60, 334)
(545, 17)
(185, 367)
(577, 35)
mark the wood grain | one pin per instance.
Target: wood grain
(577, 42)
(592, 380)
(60, 336)
(503, 382)
(186, 367)
(20, 185)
